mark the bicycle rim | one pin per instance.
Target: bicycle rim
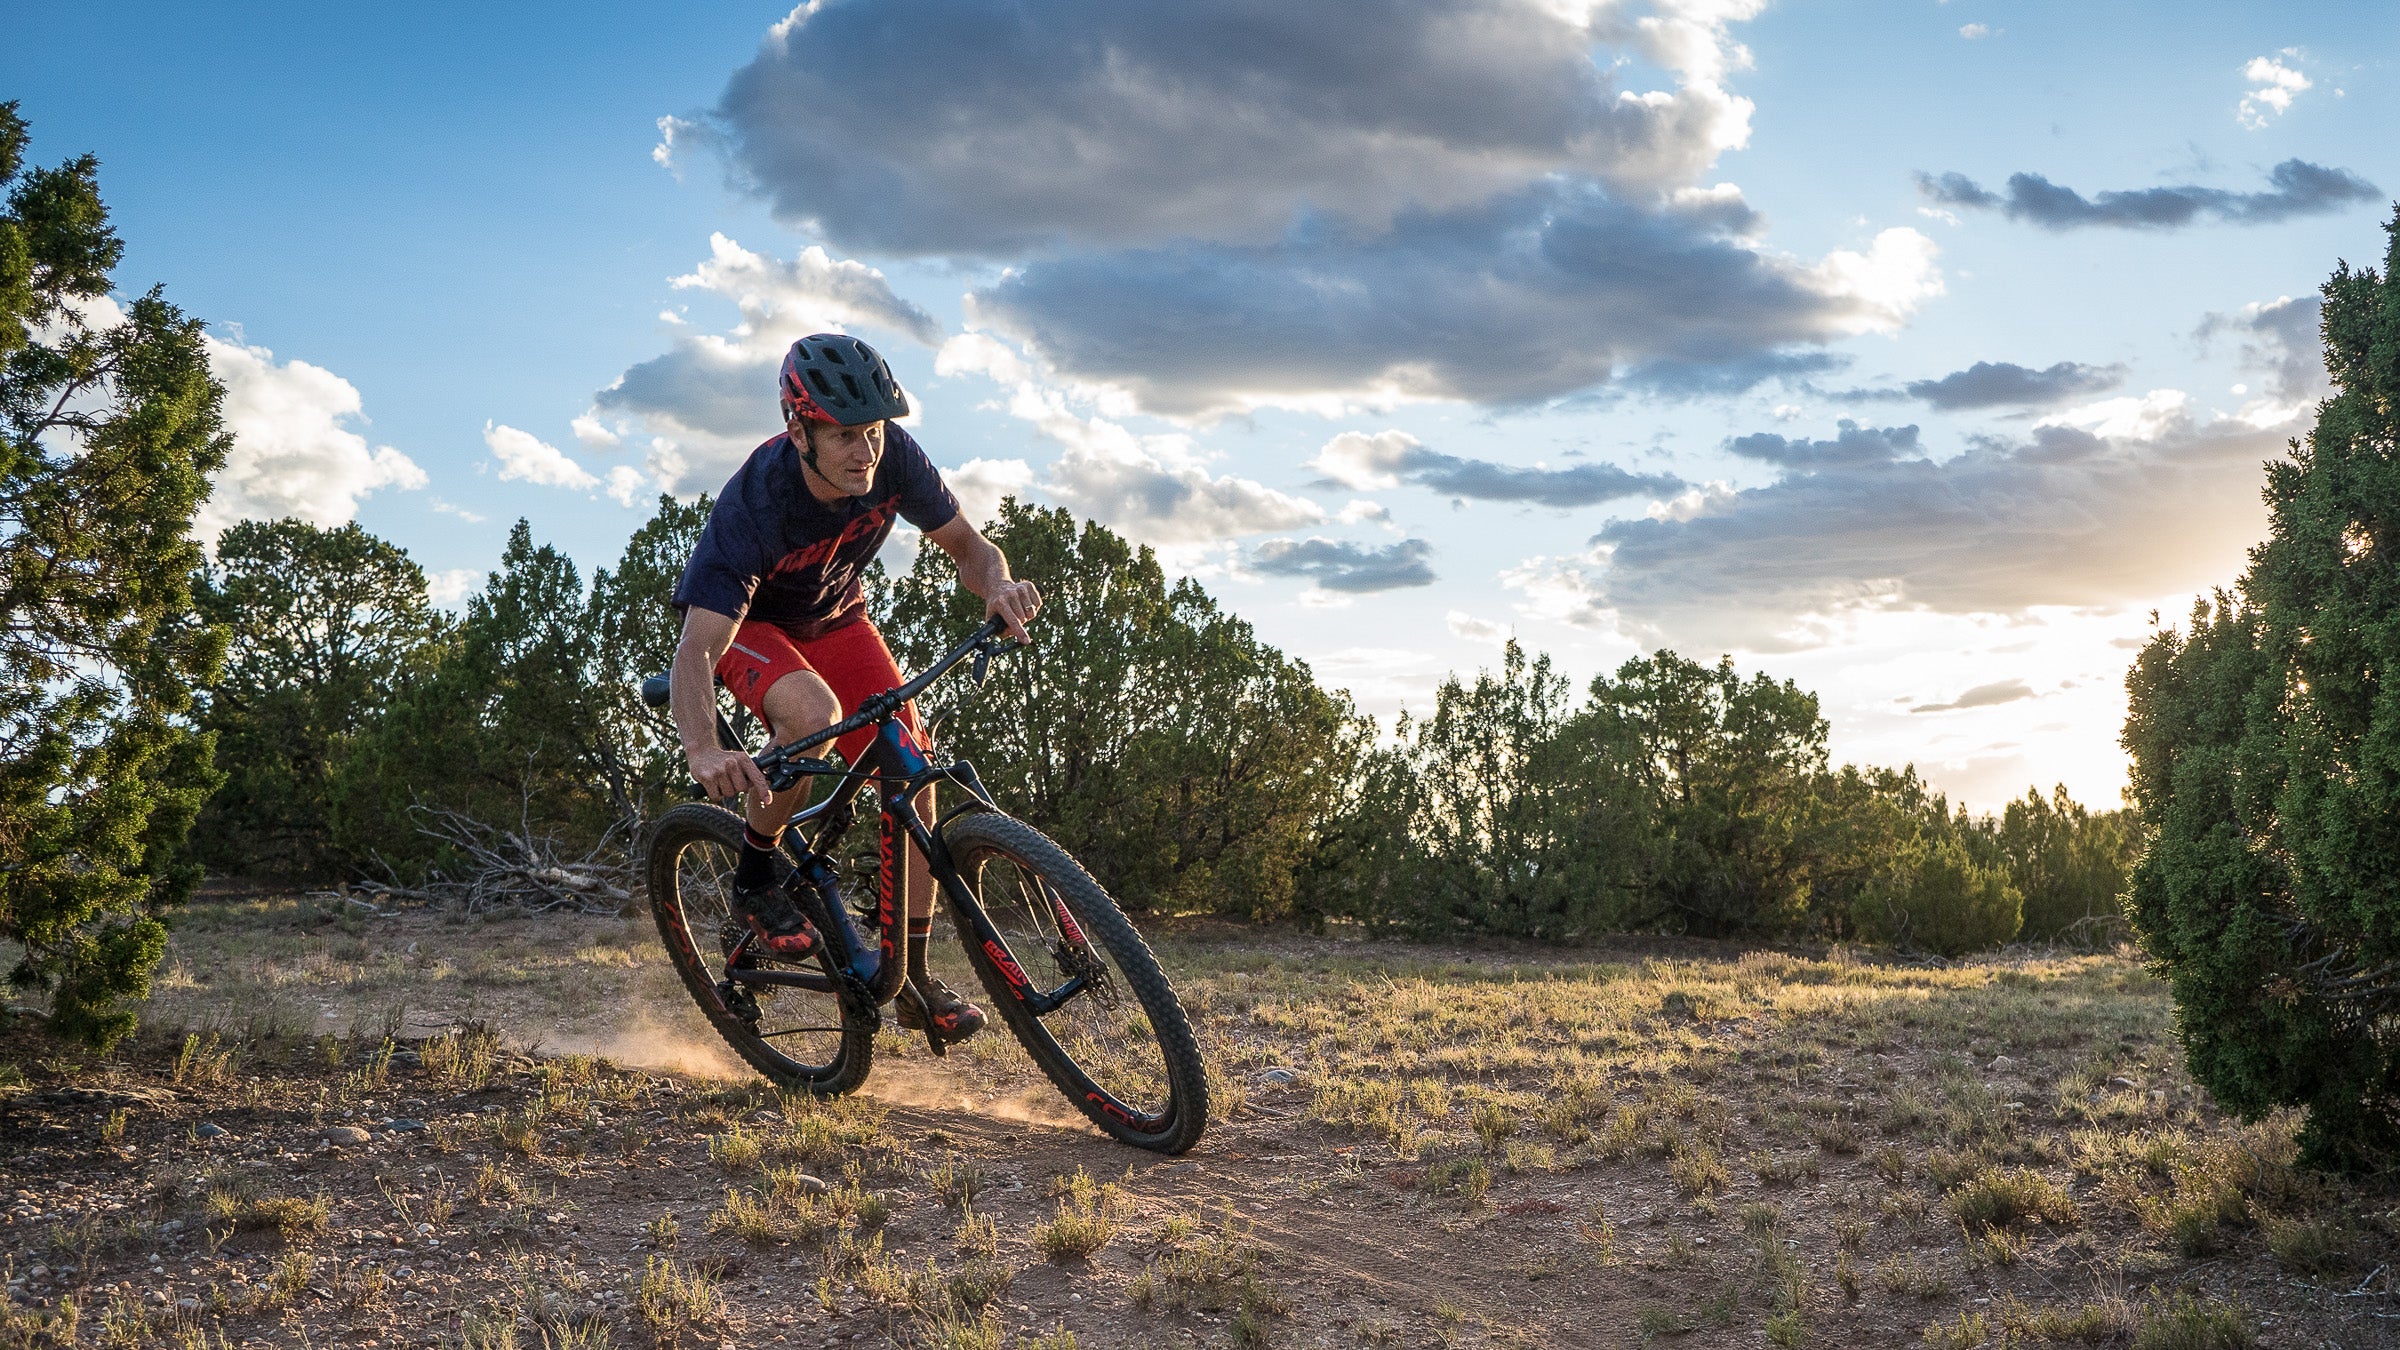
(799, 1038)
(1121, 1049)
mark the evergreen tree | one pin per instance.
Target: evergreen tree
(1727, 767)
(323, 625)
(506, 724)
(1931, 893)
(2266, 749)
(1527, 818)
(2071, 864)
(109, 427)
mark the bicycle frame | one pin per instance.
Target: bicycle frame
(898, 769)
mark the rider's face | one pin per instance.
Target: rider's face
(847, 456)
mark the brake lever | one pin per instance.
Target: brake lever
(790, 771)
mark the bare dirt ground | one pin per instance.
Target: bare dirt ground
(353, 1130)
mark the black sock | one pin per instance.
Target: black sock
(919, 930)
(757, 864)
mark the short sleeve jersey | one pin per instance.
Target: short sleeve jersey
(772, 553)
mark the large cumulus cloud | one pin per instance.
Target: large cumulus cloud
(997, 127)
(1229, 204)
(296, 451)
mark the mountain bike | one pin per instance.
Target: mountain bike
(1065, 968)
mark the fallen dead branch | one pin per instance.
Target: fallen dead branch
(521, 870)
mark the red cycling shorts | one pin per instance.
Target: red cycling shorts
(851, 659)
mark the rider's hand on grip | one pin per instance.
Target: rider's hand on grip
(1013, 603)
(726, 773)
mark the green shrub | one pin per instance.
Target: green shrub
(2266, 760)
(1934, 896)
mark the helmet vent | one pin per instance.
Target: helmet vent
(833, 354)
(817, 378)
(850, 382)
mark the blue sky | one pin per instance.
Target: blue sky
(1403, 326)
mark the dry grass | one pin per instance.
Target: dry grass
(1807, 1145)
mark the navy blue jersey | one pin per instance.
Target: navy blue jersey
(772, 553)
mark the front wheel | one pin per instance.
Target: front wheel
(1120, 1047)
(801, 1038)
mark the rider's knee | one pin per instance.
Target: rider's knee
(800, 705)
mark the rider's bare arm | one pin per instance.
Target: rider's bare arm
(984, 570)
(692, 701)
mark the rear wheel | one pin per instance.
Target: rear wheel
(1120, 1048)
(802, 1039)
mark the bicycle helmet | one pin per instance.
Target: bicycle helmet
(838, 380)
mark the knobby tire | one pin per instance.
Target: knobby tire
(978, 839)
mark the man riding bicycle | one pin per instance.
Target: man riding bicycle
(772, 607)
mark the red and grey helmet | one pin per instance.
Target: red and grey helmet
(838, 380)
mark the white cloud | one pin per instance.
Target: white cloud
(593, 432)
(2146, 418)
(1885, 284)
(1363, 462)
(1154, 488)
(452, 585)
(627, 484)
(1360, 511)
(1973, 31)
(979, 484)
(2276, 85)
(1467, 626)
(527, 458)
(453, 509)
(1693, 501)
(813, 292)
(663, 153)
(294, 452)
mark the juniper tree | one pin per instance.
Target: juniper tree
(2266, 759)
(109, 428)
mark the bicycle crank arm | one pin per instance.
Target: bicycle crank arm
(1042, 1005)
